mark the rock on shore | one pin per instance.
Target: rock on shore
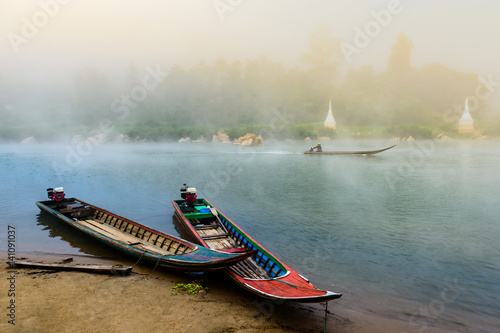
(221, 137)
(250, 139)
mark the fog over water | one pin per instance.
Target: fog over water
(45, 43)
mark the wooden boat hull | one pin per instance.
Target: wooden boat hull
(136, 240)
(263, 274)
(360, 152)
(97, 269)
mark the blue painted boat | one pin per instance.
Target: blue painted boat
(137, 240)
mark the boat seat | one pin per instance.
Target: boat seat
(215, 236)
(209, 226)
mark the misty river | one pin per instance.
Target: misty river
(411, 232)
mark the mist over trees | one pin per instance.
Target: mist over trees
(406, 95)
(249, 95)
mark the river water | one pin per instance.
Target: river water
(411, 233)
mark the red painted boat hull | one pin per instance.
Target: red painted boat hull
(286, 285)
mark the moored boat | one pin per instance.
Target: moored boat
(263, 273)
(356, 152)
(135, 239)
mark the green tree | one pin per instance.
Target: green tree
(399, 60)
(92, 97)
(322, 60)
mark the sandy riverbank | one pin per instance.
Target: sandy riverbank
(141, 302)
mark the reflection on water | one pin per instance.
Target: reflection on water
(75, 238)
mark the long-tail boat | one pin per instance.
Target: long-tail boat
(134, 239)
(263, 273)
(355, 152)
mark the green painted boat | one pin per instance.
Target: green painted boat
(263, 273)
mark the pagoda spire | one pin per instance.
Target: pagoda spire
(330, 121)
(466, 123)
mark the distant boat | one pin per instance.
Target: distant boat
(262, 274)
(134, 239)
(359, 152)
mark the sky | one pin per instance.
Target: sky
(46, 41)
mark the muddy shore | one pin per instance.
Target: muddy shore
(48, 301)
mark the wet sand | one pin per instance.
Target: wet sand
(47, 301)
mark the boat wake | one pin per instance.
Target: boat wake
(280, 153)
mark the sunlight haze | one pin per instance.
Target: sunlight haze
(72, 36)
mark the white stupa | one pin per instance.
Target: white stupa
(330, 121)
(465, 125)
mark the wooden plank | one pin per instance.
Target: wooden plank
(214, 245)
(236, 269)
(245, 269)
(249, 269)
(124, 238)
(253, 266)
(101, 228)
(204, 227)
(217, 243)
(215, 236)
(242, 270)
(239, 268)
(207, 232)
(103, 269)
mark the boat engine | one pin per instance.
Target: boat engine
(56, 194)
(183, 191)
(191, 195)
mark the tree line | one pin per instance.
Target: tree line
(266, 96)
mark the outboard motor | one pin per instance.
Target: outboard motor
(56, 194)
(183, 191)
(191, 195)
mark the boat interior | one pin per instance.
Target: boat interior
(219, 234)
(119, 228)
